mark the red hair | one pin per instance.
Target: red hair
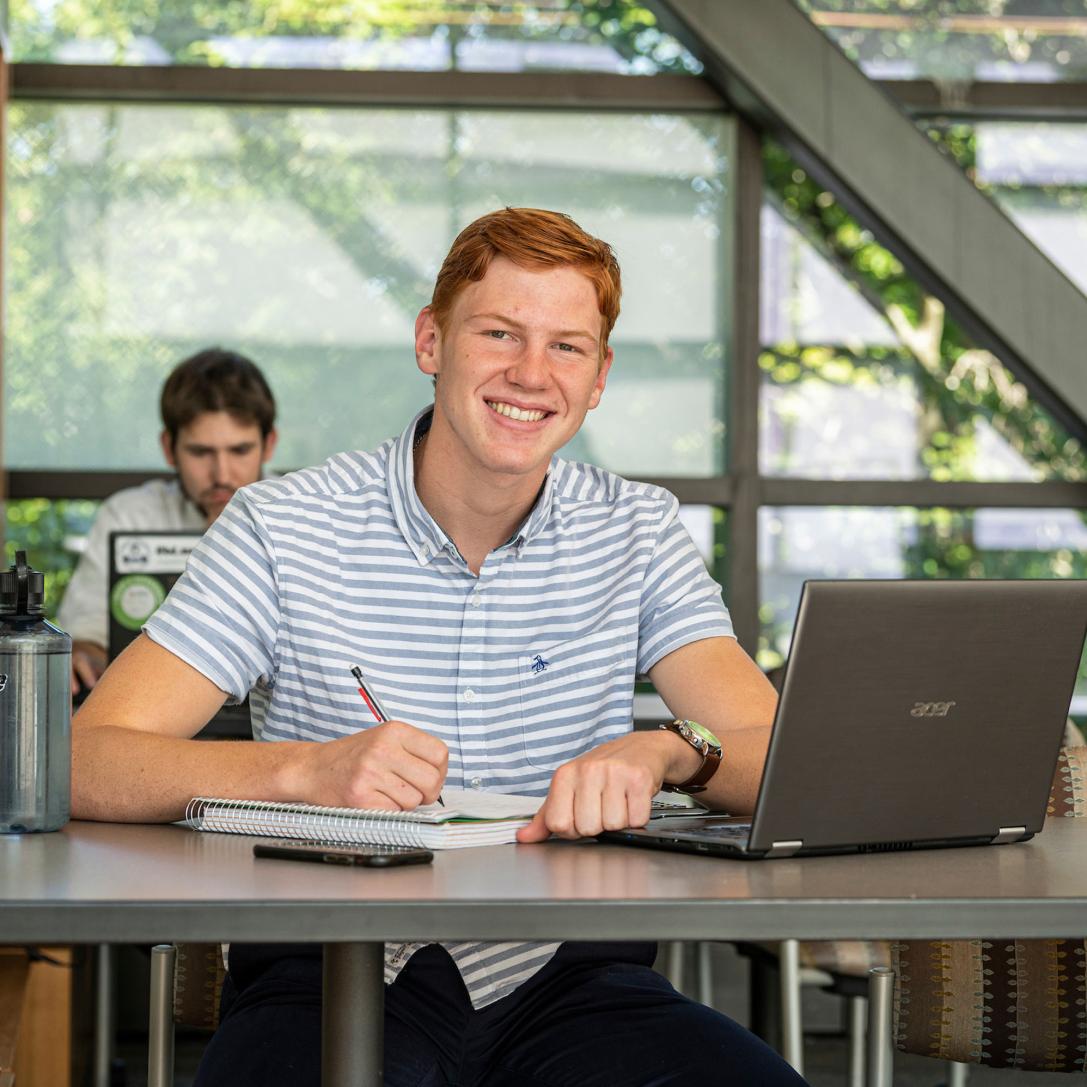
(531, 238)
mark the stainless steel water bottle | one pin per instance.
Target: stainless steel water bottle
(35, 707)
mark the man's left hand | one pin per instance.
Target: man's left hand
(612, 786)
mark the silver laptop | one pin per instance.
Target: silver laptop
(913, 714)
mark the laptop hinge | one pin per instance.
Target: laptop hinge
(1009, 834)
(784, 849)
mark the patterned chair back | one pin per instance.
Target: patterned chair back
(198, 984)
(1003, 1003)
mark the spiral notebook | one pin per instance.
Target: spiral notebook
(467, 818)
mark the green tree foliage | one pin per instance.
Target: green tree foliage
(956, 385)
(193, 33)
(951, 39)
(46, 530)
(957, 382)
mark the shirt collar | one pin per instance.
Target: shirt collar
(540, 515)
(423, 534)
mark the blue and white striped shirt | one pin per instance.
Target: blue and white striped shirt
(518, 670)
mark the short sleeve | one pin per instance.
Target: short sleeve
(222, 616)
(680, 602)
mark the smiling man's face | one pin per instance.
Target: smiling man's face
(518, 366)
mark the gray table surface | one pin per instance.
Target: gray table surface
(98, 882)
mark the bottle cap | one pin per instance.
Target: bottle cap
(22, 589)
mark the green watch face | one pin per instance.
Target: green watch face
(703, 733)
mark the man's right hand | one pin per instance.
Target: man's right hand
(88, 663)
(393, 765)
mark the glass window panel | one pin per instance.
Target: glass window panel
(309, 239)
(53, 534)
(1037, 172)
(801, 542)
(619, 36)
(1038, 41)
(864, 376)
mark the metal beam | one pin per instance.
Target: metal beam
(715, 491)
(727, 492)
(58, 483)
(333, 87)
(921, 493)
(776, 67)
(76, 483)
(744, 387)
(1064, 101)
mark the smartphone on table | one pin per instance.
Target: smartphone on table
(368, 856)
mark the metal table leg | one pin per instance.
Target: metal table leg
(103, 1016)
(704, 973)
(792, 1032)
(353, 1015)
(957, 1073)
(881, 995)
(673, 971)
(858, 1028)
(160, 1027)
(764, 1000)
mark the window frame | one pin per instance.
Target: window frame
(740, 490)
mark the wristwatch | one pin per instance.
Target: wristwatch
(706, 744)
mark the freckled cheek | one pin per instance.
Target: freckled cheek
(480, 362)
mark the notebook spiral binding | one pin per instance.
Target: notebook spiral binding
(273, 819)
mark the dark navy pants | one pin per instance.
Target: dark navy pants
(595, 1016)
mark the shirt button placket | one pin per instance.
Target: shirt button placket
(474, 760)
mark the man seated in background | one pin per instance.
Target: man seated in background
(218, 431)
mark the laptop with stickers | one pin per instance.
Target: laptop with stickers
(143, 566)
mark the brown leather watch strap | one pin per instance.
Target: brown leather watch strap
(711, 758)
(697, 783)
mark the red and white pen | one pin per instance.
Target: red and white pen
(368, 696)
(375, 706)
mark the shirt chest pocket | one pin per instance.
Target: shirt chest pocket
(573, 695)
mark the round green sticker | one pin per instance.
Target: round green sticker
(134, 598)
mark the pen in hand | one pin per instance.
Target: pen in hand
(368, 696)
(374, 705)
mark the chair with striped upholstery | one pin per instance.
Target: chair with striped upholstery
(186, 985)
(1003, 1003)
(199, 973)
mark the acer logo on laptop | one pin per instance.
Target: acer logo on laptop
(931, 709)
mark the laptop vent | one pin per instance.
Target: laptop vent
(886, 847)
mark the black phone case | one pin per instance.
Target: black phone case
(377, 857)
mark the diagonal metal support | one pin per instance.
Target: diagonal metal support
(778, 69)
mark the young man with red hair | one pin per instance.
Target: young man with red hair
(501, 601)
